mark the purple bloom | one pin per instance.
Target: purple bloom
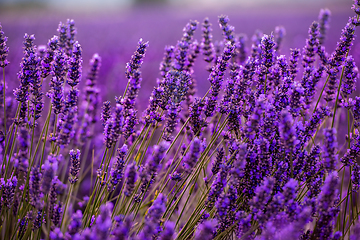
(47, 60)
(56, 234)
(207, 45)
(151, 114)
(195, 120)
(262, 196)
(165, 65)
(217, 187)
(152, 226)
(49, 169)
(131, 177)
(66, 127)
(311, 46)
(62, 30)
(193, 155)
(71, 32)
(216, 78)
(22, 160)
(106, 112)
(351, 73)
(116, 172)
(122, 227)
(75, 165)
(294, 58)
(326, 207)
(329, 152)
(75, 64)
(296, 98)
(352, 153)
(206, 230)
(287, 131)
(34, 188)
(129, 124)
(355, 177)
(75, 223)
(8, 189)
(279, 36)
(218, 161)
(226, 209)
(324, 18)
(3, 49)
(56, 214)
(168, 232)
(103, 221)
(228, 30)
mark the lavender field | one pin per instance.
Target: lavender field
(167, 123)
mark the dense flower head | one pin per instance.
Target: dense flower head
(75, 64)
(118, 168)
(4, 49)
(207, 45)
(280, 33)
(131, 176)
(206, 230)
(312, 44)
(351, 73)
(329, 151)
(75, 165)
(34, 189)
(267, 47)
(324, 18)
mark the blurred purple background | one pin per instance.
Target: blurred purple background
(113, 28)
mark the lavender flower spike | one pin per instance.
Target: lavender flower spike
(75, 165)
(351, 73)
(324, 18)
(206, 230)
(4, 49)
(75, 64)
(118, 168)
(329, 155)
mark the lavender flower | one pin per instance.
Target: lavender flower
(294, 58)
(56, 234)
(122, 227)
(48, 60)
(118, 168)
(287, 131)
(131, 177)
(326, 207)
(351, 73)
(182, 47)
(324, 18)
(49, 169)
(75, 223)
(66, 127)
(193, 155)
(103, 221)
(152, 227)
(4, 49)
(262, 196)
(352, 153)
(106, 112)
(71, 32)
(216, 78)
(165, 65)
(355, 177)
(207, 45)
(74, 63)
(330, 156)
(130, 123)
(8, 189)
(22, 156)
(206, 230)
(217, 187)
(34, 188)
(279, 36)
(75, 165)
(311, 46)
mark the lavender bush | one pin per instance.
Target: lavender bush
(260, 156)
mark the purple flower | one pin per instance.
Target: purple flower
(226, 209)
(75, 165)
(165, 65)
(22, 160)
(131, 177)
(71, 32)
(133, 74)
(66, 127)
(193, 155)
(103, 222)
(49, 169)
(75, 223)
(217, 187)
(352, 153)
(116, 172)
(47, 60)
(106, 112)
(75, 64)
(169, 231)
(34, 188)
(195, 120)
(228, 30)
(152, 226)
(122, 227)
(324, 18)
(207, 45)
(355, 177)
(294, 58)
(351, 73)
(296, 98)
(311, 46)
(216, 78)
(129, 124)
(287, 131)
(8, 189)
(218, 160)
(151, 114)
(56, 234)
(3, 49)
(279, 36)
(330, 149)
(206, 230)
(326, 207)
(62, 30)
(262, 196)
